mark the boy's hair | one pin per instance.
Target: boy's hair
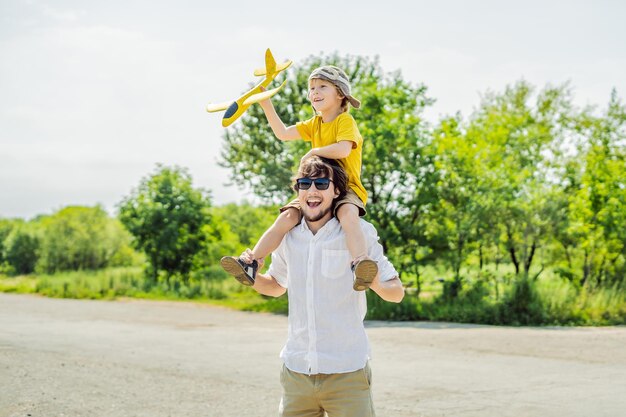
(319, 167)
(339, 79)
(344, 101)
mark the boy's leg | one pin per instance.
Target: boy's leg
(245, 272)
(365, 269)
(272, 237)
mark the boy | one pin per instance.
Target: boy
(333, 134)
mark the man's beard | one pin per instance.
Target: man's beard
(318, 217)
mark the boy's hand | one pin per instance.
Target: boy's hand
(248, 257)
(266, 100)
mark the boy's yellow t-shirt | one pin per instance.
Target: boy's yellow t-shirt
(342, 128)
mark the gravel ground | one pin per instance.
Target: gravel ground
(142, 358)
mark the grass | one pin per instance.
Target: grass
(497, 296)
(114, 283)
(488, 297)
(23, 284)
(563, 301)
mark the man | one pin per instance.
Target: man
(326, 355)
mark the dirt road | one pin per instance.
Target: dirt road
(138, 358)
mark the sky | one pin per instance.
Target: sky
(93, 95)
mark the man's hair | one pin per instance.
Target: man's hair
(319, 167)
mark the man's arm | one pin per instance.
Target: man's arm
(267, 285)
(263, 283)
(391, 290)
(281, 131)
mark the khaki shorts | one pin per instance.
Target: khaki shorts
(349, 198)
(346, 395)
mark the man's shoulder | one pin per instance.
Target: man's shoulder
(298, 231)
(368, 228)
(370, 232)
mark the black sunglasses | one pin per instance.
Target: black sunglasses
(320, 183)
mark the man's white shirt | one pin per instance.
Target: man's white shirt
(326, 334)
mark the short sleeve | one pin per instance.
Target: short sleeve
(278, 268)
(347, 130)
(375, 251)
(305, 129)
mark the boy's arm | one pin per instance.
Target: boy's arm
(347, 139)
(337, 150)
(281, 131)
(391, 290)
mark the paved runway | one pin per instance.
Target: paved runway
(138, 358)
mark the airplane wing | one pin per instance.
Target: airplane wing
(279, 68)
(212, 108)
(255, 98)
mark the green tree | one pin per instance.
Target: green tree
(497, 175)
(168, 219)
(519, 143)
(597, 210)
(233, 228)
(454, 217)
(6, 226)
(76, 238)
(22, 249)
(246, 222)
(397, 169)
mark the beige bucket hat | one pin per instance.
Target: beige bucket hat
(339, 78)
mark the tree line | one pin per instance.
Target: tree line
(164, 224)
(527, 185)
(73, 238)
(528, 179)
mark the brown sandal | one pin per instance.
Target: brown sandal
(245, 273)
(364, 272)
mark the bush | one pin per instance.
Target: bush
(79, 238)
(471, 305)
(21, 251)
(522, 304)
(379, 309)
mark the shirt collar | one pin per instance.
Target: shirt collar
(330, 225)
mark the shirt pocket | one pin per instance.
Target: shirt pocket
(335, 262)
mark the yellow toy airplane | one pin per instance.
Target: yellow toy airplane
(238, 107)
